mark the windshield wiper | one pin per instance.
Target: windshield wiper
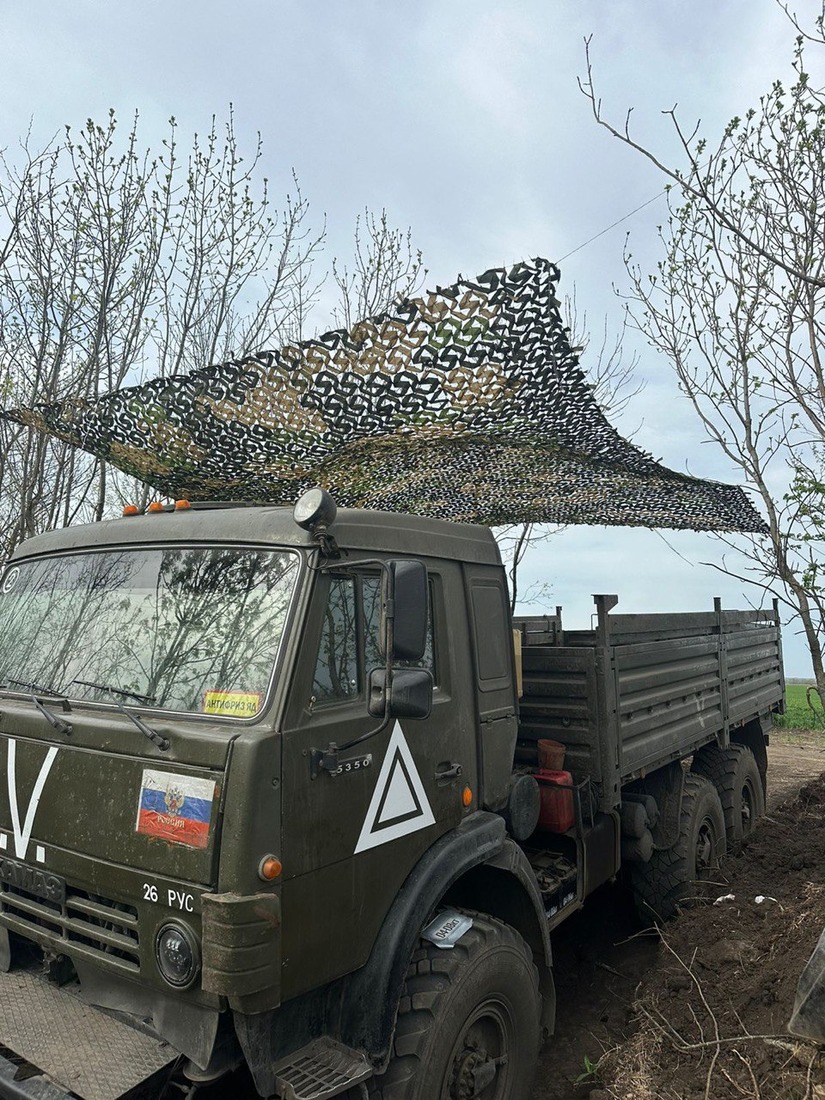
(33, 691)
(153, 735)
(116, 691)
(51, 693)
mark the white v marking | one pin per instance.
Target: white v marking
(23, 836)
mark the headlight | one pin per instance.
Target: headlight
(177, 954)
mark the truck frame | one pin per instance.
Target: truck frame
(272, 795)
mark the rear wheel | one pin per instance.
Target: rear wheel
(735, 774)
(673, 877)
(468, 1022)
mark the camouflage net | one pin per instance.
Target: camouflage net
(466, 403)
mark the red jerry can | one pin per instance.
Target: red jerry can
(557, 810)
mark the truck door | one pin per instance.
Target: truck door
(355, 836)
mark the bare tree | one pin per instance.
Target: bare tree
(736, 305)
(710, 175)
(234, 275)
(385, 268)
(609, 371)
(116, 265)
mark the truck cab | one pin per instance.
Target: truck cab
(170, 837)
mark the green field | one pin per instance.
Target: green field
(799, 714)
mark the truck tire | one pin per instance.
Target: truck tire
(670, 879)
(734, 773)
(468, 1021)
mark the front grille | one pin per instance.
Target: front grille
(91, 925)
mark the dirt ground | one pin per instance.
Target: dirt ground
(701, 1012)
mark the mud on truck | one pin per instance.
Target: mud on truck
(291, 788)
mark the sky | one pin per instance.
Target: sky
(464, 119)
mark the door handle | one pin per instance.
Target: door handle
(452, 771)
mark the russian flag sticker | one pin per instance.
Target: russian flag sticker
(175, 807)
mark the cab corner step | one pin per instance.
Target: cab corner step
(324, 1068)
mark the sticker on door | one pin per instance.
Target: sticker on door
(399, 804)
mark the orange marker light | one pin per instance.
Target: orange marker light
(131, 510)
(270, 868)
(182, 505)
(467, 797)
(155, 506)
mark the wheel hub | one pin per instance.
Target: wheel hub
(475, 1069)
(704, 848)
(747, 811)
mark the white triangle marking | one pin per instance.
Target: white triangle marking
(399, 804)
(399, 800)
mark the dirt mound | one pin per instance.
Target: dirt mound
(710, 1020)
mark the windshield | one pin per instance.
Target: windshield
(193, 629)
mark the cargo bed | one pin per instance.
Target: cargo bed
(641, 690)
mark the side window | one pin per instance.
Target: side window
(349, 640)
(371, 587)
(492, 636)
(336, 670)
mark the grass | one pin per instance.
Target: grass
(590, 1073)
(804, 709)
(805, 738)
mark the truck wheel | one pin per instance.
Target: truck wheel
(671, 878)
(734, 773)
(468, 1022)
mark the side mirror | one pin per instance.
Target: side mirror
(411, 693)
(404, 595)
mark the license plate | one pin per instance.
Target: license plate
(34, 881)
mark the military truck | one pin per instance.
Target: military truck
(271, 794)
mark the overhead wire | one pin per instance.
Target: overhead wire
(613, 225)
(626, 217)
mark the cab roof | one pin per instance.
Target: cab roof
(353, 529)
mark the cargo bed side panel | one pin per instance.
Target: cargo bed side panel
(754, 673)
(670, 700)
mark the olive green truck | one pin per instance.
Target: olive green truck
(270, 793)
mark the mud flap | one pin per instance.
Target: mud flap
(808, 1019)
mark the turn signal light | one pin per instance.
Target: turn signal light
(270, 868)
(155, 506)
(131, 510)
(467, 797)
